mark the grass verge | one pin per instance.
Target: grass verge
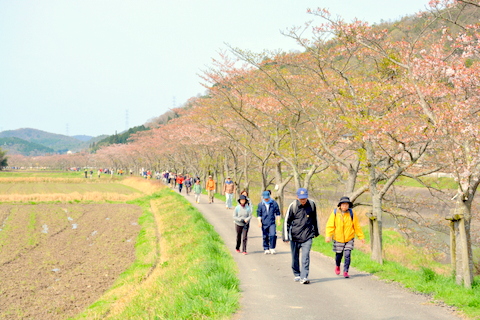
(182, 271)
(422, 280)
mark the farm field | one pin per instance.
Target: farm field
(59, 257)
(22, 188)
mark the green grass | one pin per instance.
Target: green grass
(192, 277)
(423, 279)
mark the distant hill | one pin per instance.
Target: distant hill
(83, 138)
(56, 142)
(14, 145)
(116, 138)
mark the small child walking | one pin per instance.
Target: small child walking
(242, 216)
(343, 225)
(197, 189)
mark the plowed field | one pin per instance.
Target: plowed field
(56, 259)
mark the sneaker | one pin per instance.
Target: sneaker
(272, 251)
(244, 253)
(296, 279)
(266, 251)
(337, 270)
(345, 274)
(237, 250)
(304, 281)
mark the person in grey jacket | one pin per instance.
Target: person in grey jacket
(242, 216)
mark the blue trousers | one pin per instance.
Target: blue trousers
(305, 248)
(269, 236)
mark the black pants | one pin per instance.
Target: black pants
(338, 259)
(242, 230)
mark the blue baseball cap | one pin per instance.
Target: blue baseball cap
(302, 193)
(265, 195)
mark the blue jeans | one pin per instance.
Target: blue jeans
(229, 197)
(269, 236)
(305, 247)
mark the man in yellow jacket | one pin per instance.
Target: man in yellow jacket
(343, 225)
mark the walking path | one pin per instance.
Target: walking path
(269, 292)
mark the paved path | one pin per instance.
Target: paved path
(269, 292)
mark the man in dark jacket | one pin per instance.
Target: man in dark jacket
(300, 227)
(268, 213)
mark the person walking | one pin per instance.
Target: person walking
(342, 226)
(229, 190)
(268, 213)
(299, 228)
(180, 182)
(245, 193)
(197, 190)
(210, 187)
(188, 184)
(242, 214)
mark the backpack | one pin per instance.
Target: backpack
(294, 207)
(349, 210)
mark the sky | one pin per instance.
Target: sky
(93, 67)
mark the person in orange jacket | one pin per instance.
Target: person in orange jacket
(342, 226)
(210, 187)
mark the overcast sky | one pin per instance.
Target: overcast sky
(96, 67)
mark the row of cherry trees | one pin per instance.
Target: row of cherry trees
(359, 100)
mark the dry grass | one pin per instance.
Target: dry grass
(33, 186)
(66, 197)
(50, 180)
(146, 186)
(127, 292)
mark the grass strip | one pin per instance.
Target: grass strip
(424, 280)
(186, 273)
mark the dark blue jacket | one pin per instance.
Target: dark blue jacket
(268, 218)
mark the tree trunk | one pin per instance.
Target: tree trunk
(280, 186)
(352, 178)
(309, 175)
(463, 248)
(376, 230)
(453, 245)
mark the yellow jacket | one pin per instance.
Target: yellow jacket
(342, 228)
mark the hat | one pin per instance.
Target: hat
(302, 193)
(265, 195)
(242, 197)
(345, 200)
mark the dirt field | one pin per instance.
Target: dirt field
(57, 259)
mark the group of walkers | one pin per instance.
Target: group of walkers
(299, 228)
(300, 225)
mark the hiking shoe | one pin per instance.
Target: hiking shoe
(296, 279)
(244, 253)
(337, 270)
(345, 274)
(272, 251)
(304, 281)
(266, 251)
(237, 250)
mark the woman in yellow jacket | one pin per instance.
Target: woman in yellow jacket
(343, 225)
